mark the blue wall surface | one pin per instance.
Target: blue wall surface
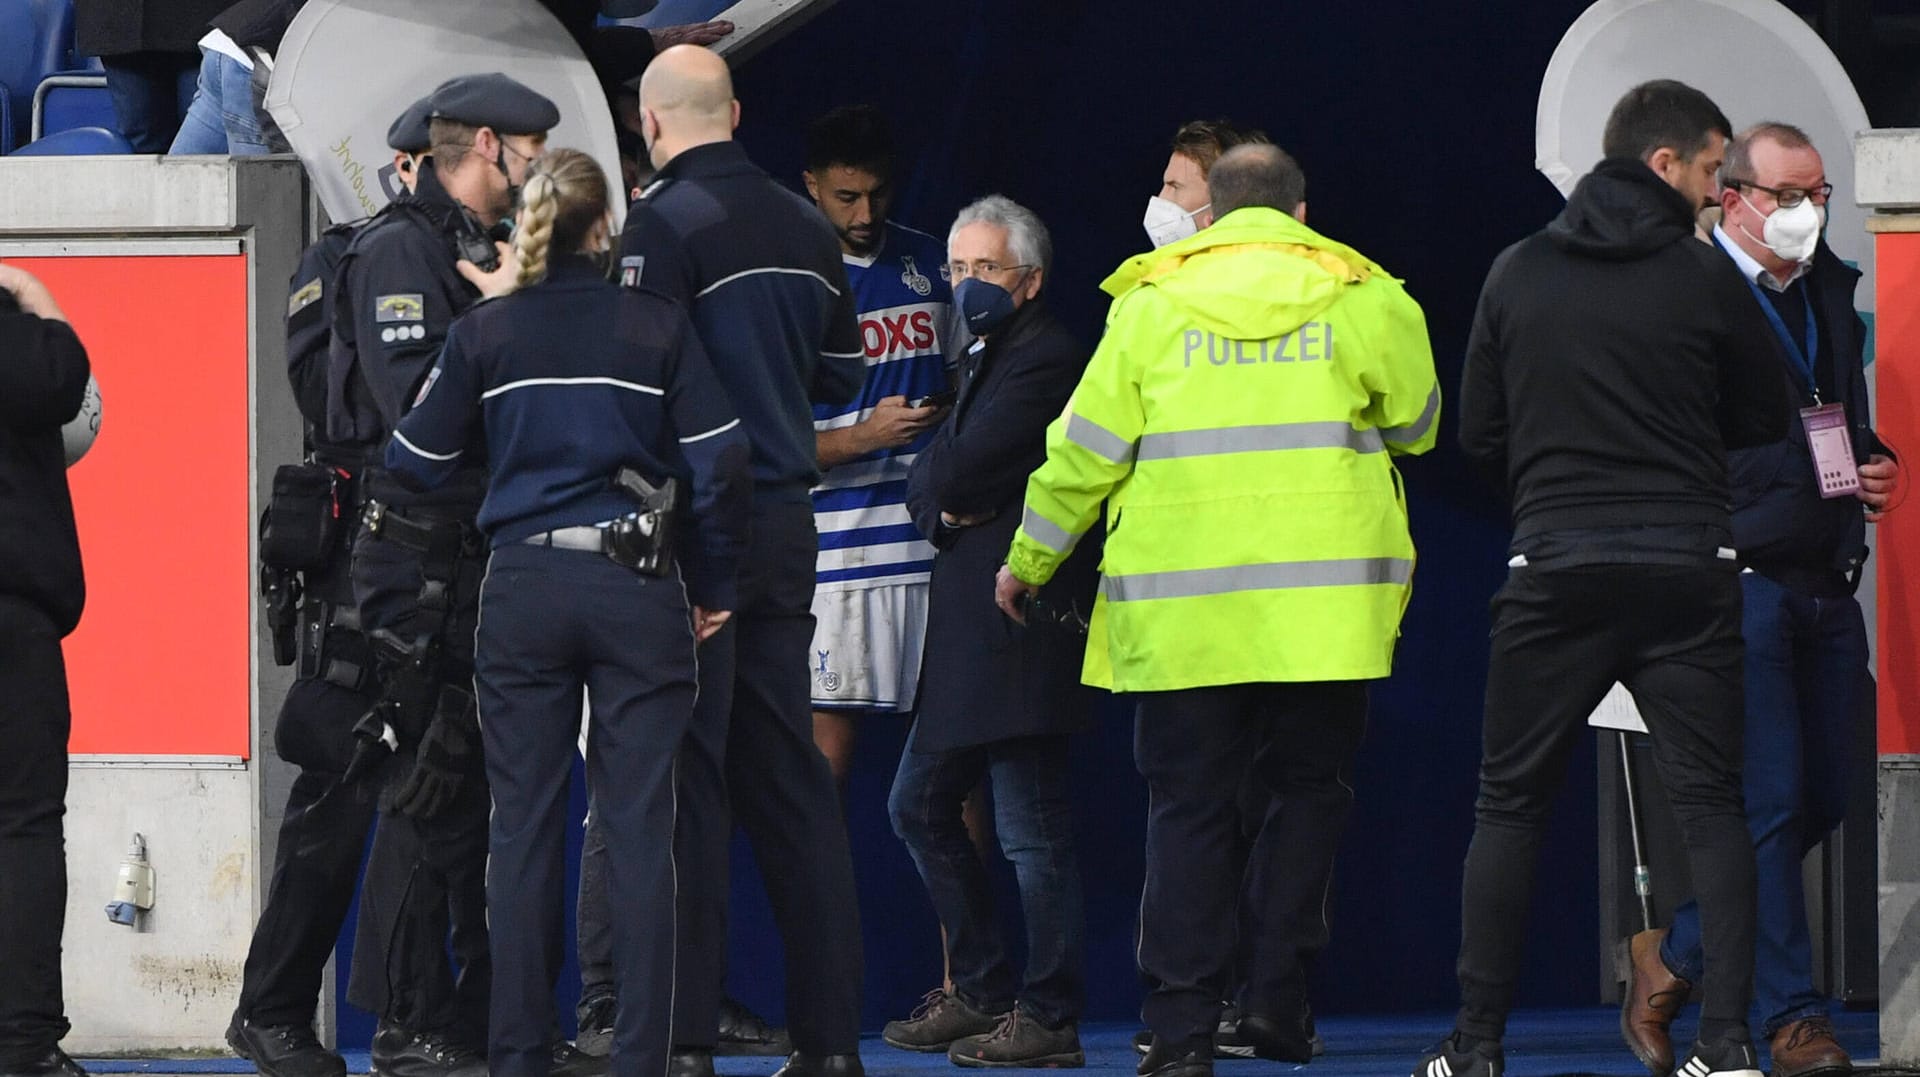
(1414, 122)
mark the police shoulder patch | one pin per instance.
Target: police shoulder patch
(427, 386)
(630, 269)
(304, 296)
(400, 307)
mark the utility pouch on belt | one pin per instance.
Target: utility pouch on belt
(302, 523)
(644, 542)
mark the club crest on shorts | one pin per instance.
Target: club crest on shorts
(828, 679)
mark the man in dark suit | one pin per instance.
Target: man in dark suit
(997, 699)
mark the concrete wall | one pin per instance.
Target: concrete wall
(171, 981)
(1889, 184)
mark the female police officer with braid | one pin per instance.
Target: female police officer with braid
(574, 381)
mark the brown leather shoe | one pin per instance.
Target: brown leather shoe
(1807, 1046)
(1653, 996)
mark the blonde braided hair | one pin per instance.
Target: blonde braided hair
(565, 193)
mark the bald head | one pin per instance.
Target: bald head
(1257, 175)
(686, 100)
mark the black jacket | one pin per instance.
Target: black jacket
(394, 294)
(118, 27)
(1614, 359)
(43, 378)
(258, 23)
(985, 678)
(1781, 524)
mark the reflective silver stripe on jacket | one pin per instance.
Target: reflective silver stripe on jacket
(1417, 429)
(1274, 436)
(1279, 575)
(1098, 440)
(1046, 532)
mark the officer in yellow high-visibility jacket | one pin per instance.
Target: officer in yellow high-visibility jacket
(1238, 419)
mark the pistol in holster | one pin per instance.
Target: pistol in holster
(643, 541)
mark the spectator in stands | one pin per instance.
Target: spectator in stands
(42, 385)
(148, 49)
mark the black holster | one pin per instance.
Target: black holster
(643, 542)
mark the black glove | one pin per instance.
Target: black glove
(442, 760)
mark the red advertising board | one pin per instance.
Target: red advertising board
(161, 663)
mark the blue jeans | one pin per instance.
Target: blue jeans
(150, 91)
(1034, 821)
(221, 118)
(1809, 696)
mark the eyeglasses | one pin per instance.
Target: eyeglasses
(1789, 197)
(953, 271)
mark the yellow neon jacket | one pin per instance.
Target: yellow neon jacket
(1238, 416)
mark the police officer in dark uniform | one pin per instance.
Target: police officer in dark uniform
(595, 402)
(760, 272)
(305, 546)
(416, 570)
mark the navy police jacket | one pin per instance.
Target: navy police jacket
(760, 271)
(570, 379)
(1781, 525)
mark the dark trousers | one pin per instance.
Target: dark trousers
(34, 721)
(316, 863)
(593, 917)
(151, 92)
(1192, 746)
(1560, 639)
(750, 749)
(424, 896)
(424, 891)
(552, 623)
(1809, 701)
(1033, 819)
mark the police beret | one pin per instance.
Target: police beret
(411, 130)
(496, 101)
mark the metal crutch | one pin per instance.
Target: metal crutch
(1642, 875)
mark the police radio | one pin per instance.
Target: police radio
(477, 249)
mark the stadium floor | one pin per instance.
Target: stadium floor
(1540, 1043)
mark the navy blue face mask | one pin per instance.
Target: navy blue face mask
(985, 305)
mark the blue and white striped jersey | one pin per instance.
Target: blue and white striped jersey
(906, 319)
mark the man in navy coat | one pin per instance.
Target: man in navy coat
(997, 699)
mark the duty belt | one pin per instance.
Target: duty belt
(586, 538)
(422, 536)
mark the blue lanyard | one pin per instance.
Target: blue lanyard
(1803, 357)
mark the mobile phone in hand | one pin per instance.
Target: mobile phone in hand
(941, 399)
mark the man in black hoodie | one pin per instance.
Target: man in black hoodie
(1614, 360)
(43, 378)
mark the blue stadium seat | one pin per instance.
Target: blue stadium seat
(69, 99)
(36, 39)
(76, 142)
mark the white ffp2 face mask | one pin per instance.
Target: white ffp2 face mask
(1167, 223)
(1793, 234)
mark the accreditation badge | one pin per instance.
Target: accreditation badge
(1830, 442)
